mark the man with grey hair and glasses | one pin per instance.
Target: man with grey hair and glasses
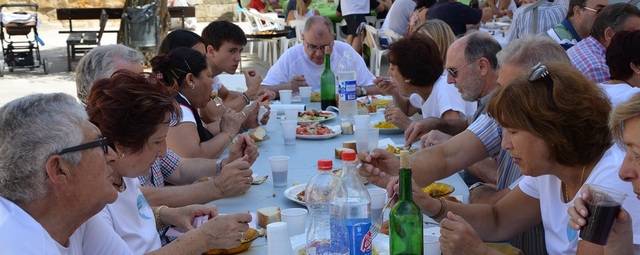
(53, 181)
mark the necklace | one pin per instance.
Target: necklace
(122, 187)
(564, 186)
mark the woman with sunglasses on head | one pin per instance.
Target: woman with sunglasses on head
(187, 73)
(135, 114)
(555, 127)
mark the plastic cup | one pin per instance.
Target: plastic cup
(374, 134)
(272, 125)
(361, 122)
(279, 170)
(431, 244)
(378, 197)
(289, 131)
(296, 219)
(603, 209)
(291, 114)
(305, 94)
(285, 96)
(279, 242)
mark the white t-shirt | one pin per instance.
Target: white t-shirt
(618, 93)
(559, 237)
(443, 97)
(398, 16)
(307, 15)
(217, 84)
(21, 234)
(355, 7)
(295, 61)
(187, 114)
(132, 219)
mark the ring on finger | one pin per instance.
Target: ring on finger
(241, 236)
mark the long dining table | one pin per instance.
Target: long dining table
(302, 167)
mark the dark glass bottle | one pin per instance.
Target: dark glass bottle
(405, 218)
(327, 82)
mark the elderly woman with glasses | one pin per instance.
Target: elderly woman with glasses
(135, 113)
(555, 128)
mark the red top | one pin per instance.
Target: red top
(256, 4)
(325, 164)
(348, 155)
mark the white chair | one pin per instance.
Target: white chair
(340, 36)
(371, 20)
(379, 23)
(372, 40)
(392, 36)
(299, 27)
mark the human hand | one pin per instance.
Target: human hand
(296, 82)
(230, 122)
(253, 81)
(395, 116)
(434, 137)
(245, 147)
(458, 237)
(418, 128)
(265, 95)
(224, 231)
(182, 217)
(386, 85)
(251, 111)
(235, 178)
(378, 166)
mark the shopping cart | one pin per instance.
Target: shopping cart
(19, 38)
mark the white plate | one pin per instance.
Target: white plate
(495, 25)
(336, 132)
(380, 243)
(387, 130)
(333, 115)
(291, 193)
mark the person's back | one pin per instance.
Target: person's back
(549, 14)
(456, 14)
(397, 19)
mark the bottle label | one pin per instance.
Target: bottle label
(347, 90)
(360, 242)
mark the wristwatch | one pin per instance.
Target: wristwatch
(475, 185)
(363, 92)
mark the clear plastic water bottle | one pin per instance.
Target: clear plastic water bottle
(358, 209)
(347, 88)
(326, 197)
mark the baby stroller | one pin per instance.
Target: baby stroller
(20, 48)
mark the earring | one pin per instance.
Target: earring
(120, 155)
(192, 86)
(407, 80)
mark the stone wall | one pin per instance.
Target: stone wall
(206, 10)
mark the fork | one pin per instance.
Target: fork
(218, 102)
(375, 229)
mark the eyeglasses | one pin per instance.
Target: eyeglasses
(312, 47)
(454, 72)
(591, 9)
(101, 142)
(539, 71)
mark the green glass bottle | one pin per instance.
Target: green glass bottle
(405, 218)
(327, 82)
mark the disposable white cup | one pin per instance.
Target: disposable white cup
(305, 94)
(278, 241)
(296, 219)
(289, 131)
(361, 122)
(431, 244)
(272, 125)
(362, 140)
(374, 134)
(378, 198)
(279, 170)
(291, 114)
(285, 96)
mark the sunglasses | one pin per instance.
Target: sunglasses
(539, 71)
(454, 72)
(101, 142)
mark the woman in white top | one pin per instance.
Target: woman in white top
(302, 11)
(623, 59)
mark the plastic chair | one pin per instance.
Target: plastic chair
(371, 20)
(392, 36)
(299, 26)
(372, 40)
(340, 36)
(379, 23)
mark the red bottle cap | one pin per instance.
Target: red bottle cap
(325, 164)
(348, 155)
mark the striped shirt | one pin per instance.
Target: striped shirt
(588, 56)
(549, 14)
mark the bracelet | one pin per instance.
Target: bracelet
(246, 98)
(219, 167)
(156, 214)
(364, 91)
(229, 135)
(476, 185)
(443, 209)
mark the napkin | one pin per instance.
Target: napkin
(197, 222)
(261, 112)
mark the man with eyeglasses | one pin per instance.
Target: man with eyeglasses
(588, 55)
(578, 22)
(53, 181)
(302, 65)
(549, 14)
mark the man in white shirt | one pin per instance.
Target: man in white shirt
(302, 65)
(398, 17)
(52, 182)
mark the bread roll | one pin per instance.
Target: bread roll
(268, 215)
(347, 128)
(258, 134)
(351, 144)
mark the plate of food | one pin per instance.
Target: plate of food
(296, 193)
(438, 189)
(316, 131)
(314, 115)
(396, 149)
(386, 127)
(496, 25)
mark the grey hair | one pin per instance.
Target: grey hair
(99, 63)
(319, 19)
(33, 128)
(529, 50)
(482, 45)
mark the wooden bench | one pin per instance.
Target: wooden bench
(80, 42)
(182, 12)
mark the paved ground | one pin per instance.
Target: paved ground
(23, 82)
